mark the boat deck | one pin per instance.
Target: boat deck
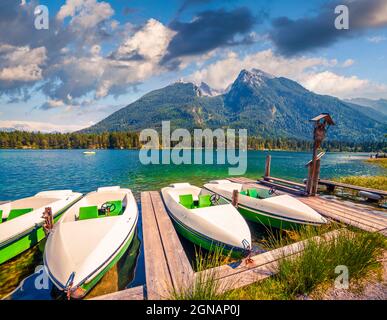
(167, 268)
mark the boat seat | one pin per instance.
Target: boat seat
(243, 192)
(118, 208)
(263, 194)
(253, 193)
(90, 212)
(1, 216)
(186, 200)
(14, 213)
(204, 201)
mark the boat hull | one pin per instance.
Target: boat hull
(26, 240)
(207, 243)
(85, 288)
(267, 219)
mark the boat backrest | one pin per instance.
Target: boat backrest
(14, 213)
(253, 193)
(90, 212)
(186, 200)
(243, 192)
(204, 201)
(1, 216)
(118, 207)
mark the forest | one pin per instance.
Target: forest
(130, 140)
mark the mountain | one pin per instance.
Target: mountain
(267, 106)
(378, 105)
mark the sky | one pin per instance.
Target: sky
(98, 56)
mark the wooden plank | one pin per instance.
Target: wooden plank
(292, 183)
(179, 266)
(340, 217)
(362, 218)
(158, 278)
(136, 293)
(282, 187)
(362, 215)
(264, 265)
(349, 186)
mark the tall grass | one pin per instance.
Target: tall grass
(302, 273)
(374, 182)
(205, 285)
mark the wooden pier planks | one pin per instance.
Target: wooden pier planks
(334, 184)
(136, 293)
(167, 267)
(158, 278)
(179, 266)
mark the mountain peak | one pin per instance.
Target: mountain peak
(254, 77)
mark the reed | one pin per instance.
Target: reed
(301, 274)
(205, 285)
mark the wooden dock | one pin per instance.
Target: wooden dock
(168, 270)
(167, 267)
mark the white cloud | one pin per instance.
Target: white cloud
(38, 126)
(330, 83)
(376, 39)
(150, 42)
(21, 63)
(222, 73)
(312, 73)
(85, 13)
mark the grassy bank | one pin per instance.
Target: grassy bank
(301, 275)
(375, 182)
(379, 161)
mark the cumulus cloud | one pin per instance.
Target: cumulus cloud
(310, 72)
(85, 13)
(20, 64)
(294, 36)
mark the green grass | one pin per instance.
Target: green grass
(374, 182)
(378, 161)
(205, 285)
(298, 275)
(302, 274)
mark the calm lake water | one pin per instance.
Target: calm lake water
(26, 172)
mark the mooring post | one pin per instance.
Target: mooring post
(235, 198)
(267, 166)
(321, 124)
(316, 178)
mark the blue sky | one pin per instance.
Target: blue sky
(98, 56)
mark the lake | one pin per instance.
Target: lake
(25, 172)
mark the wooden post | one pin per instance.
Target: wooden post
(309, 181)
(321, 124)
(235, 198)
(267, 165)
(48, 223)
(315, 179)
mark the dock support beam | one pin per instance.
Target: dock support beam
(267, 166)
